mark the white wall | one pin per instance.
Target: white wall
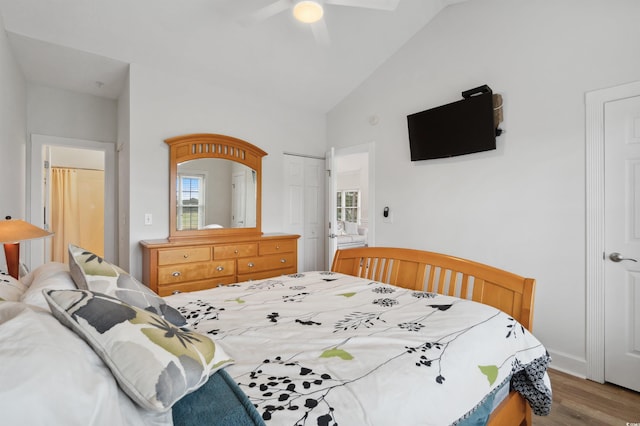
(521, 207)
(74, 158)
(163, 106)
(59, 112)
(76, 118)
(13, 117)
(124, 130)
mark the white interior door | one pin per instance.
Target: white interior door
(332, 219)
(304, 181)
(622, 242)
(238, 203)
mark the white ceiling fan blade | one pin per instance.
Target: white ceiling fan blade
(267, 12)
(369, 4)
(320, 32)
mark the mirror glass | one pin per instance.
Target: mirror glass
(215, 193)
(214, 187)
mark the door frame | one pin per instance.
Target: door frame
(34, 186)
(365, 148)
(595, 221)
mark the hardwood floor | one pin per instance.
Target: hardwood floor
(582, 402)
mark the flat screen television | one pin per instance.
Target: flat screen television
(458, 128)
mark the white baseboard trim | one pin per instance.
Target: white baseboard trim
(568, 364)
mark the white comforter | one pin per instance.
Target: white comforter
(326, 348)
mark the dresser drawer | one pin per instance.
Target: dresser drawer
(265, 263)
(184, 255)
(266, 274)
(277, 246)
(235, 250)
(195, 271)
(169, 289)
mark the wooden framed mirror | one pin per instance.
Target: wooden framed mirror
(215, 187)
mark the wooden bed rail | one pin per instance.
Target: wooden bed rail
(444, 274)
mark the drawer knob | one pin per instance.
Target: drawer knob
(250, 265)
(186, 255)
(219, 268)
(277, 246)
(177, 274)
(283, 260)
(236, 251)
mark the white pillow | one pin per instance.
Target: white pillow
(10, 288)
(351, 228)
(51, 376)
(50, 276)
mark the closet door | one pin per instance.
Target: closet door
(304, 209)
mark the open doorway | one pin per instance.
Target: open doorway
(71, 185)
(74, 201)
(350, 198)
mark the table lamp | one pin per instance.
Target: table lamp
(12, 231)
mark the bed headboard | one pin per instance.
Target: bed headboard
(444, 274)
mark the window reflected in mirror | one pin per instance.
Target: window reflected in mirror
(190, 201)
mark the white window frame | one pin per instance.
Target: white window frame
(342, 208)
(201, 204)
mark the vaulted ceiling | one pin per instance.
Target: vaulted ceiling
(87, 45)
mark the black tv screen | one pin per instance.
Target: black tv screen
(458, 128)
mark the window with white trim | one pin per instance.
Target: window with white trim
(190, 201)
(348, 203)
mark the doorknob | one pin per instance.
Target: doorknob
(617, 257)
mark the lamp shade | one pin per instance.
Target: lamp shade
(15, 230)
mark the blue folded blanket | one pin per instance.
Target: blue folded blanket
(218, 402)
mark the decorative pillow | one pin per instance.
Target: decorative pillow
(10, 288)
(50, 276)
(351, 228)
(154, 362)
(91, 272)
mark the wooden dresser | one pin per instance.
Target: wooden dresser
(197, 264)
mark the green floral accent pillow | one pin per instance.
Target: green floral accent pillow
(91, 272)
(154, 362)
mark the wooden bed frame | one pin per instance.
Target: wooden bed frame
(453, 276)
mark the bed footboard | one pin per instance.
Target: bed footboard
(444, 274)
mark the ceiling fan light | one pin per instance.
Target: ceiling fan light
(308, 12)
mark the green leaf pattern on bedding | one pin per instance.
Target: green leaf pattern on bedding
(340, 353)
(491, 371)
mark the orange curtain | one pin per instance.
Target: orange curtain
(77, 211)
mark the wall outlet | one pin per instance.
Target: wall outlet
(148, 219)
